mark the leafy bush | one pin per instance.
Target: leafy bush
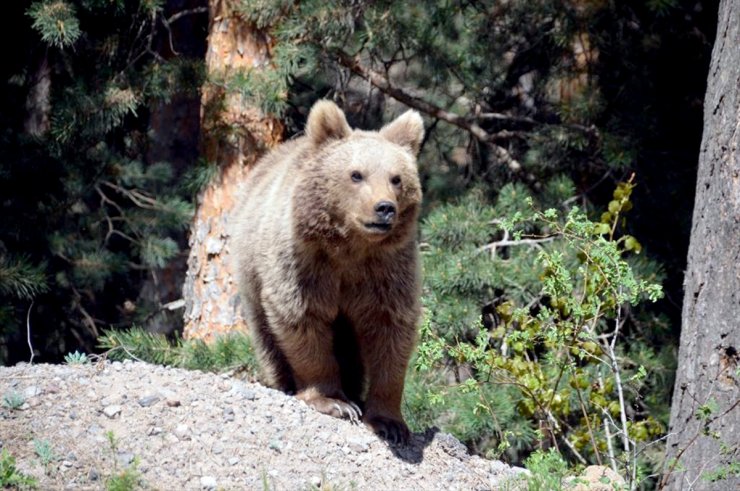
(534, 318)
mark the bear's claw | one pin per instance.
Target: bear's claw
(350, 411)
(335, 407)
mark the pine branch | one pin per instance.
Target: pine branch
(182, 13)
(179, 15)
(384, 85)
(21, 279)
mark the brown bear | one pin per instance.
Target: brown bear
(327, 265)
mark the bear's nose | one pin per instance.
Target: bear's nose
(385, 210)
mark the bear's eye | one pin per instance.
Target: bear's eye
(356, 176)
(396, 180)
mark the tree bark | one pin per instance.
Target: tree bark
(705, 414)
(233, 136)
(38, 100)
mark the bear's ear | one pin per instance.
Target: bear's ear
(326, 122)
(406, 130)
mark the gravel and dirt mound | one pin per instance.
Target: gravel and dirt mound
(191, 430)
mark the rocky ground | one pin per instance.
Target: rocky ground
(75, 426)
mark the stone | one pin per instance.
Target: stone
(112, 411)
(208, 482)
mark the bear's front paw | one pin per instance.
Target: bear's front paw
(334, 407)
(393, 430)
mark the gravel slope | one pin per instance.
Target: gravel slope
(193, 430)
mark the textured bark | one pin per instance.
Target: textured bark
(710, 334)
(38, 100)
(233, 136)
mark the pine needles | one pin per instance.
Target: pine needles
(228, 352)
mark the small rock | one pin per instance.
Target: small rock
(73, 414)
(315, 481)
(32, 391)
(358, 444)
(155, 430)
(229, 414)
(125, 458)
(182, 432)
(112, 411)
(240, 389)
(217, 448)
(208, 482)
(233, 460)
(93, 474)
(173, 403)
(66, 463)
(276, 445)
(94, 429)
(117, 366)
(451, 446)
(148, 400)
(109, 400)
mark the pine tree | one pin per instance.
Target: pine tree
(235, 133)
(87, 214)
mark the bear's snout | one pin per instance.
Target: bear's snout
(385, 211)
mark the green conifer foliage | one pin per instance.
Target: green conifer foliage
(87, 214)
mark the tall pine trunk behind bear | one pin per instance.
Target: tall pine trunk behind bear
(234, 135)
(705, 414)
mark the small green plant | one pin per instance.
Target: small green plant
(125, 480)
(10, 476)
(121, 480)
(45, 453)
(548, 469)
(76, 358)
(13, 400)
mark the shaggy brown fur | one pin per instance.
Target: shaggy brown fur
(328, 269)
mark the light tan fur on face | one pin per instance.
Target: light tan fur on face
(312, 272)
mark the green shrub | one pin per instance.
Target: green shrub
(534, 318)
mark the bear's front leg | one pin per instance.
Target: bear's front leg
(385, 353)
(309, 351)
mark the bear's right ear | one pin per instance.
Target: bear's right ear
(407, 130)
(326, 122)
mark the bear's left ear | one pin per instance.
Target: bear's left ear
(326, 122)
(406, 130)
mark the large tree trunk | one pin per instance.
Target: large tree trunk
(233, 135)
(705, 413)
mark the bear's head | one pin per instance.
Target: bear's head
(360, 186)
